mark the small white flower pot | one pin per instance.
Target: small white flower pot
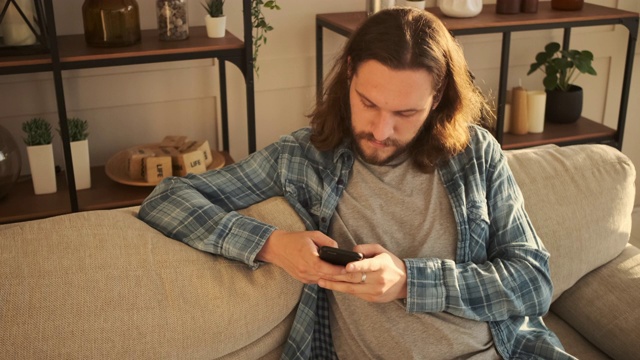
(460, 8)
(216, 26)
(416, 4)
(43, 170)
(81, 164)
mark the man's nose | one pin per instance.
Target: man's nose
(382, 126)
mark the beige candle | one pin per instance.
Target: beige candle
(519, 119)
(536, 102)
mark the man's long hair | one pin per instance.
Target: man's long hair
(405, 39)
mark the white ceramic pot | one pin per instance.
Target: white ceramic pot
(460, 8)
(216, 26)
(416, 4)
(81, 164)
(43, 169)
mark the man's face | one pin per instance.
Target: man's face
(388, 108)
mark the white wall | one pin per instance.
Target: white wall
(132, 105)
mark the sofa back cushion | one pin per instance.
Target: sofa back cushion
(103, 284)
(579, 199)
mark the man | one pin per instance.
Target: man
(395, 168)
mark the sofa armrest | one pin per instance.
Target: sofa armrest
(603, 306)
(105, 285)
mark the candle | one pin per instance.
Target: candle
(506, 125)
(15, 30)
(536, 102)
(519, 119)
(508, 6)
(529, 6)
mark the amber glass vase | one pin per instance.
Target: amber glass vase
(110, 23)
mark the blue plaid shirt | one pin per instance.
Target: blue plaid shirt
(500, 274)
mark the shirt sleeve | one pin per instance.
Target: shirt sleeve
(199, 210)
(507, 275)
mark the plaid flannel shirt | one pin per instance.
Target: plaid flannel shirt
(500, 274)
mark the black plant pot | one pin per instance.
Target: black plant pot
(564, 107)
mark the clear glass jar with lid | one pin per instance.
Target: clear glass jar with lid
(173, 20)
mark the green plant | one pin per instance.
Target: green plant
(77, 129)
(260, 26)
(214, 8)
(38, 132)
(560, 66)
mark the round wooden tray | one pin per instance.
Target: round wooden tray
(118, 171)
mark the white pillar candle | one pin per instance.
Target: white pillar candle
(536, 102)
(506, 126)
(15, 30)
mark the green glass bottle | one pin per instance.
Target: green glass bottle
(110, 23)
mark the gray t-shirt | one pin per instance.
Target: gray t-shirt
(409, 213)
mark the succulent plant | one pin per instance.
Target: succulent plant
(38, 132)
(77, 129)
(214, 8)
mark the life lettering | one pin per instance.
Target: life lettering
(159, 171)
(195, 163)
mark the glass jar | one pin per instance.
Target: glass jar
(111, 22)
(173, 22)
(10, 162)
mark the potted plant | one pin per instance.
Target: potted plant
(561, 68)
(215, 20)
(40, 155)
(78, 138)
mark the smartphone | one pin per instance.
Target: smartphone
(338, 256)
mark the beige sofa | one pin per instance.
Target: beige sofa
(104, 285)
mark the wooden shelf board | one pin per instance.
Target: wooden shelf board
(22, 204)
(73, 48)
(583, 130)
(24, 60)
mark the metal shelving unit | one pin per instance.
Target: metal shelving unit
(71, 52)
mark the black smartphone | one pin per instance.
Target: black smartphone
(338, 256)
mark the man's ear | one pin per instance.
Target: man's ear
(438, 95)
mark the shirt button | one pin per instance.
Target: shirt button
(340, 182)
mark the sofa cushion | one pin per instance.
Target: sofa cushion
(574, 343)
(103, 284)
(579, 199)
(603, 306)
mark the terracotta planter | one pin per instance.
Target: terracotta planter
(81, 164)
(564, 107)
(43, 169)
(216, 26)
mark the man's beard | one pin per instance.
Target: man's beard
(376, 159)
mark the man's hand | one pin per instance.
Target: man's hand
(297, 254)
(385, 276)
